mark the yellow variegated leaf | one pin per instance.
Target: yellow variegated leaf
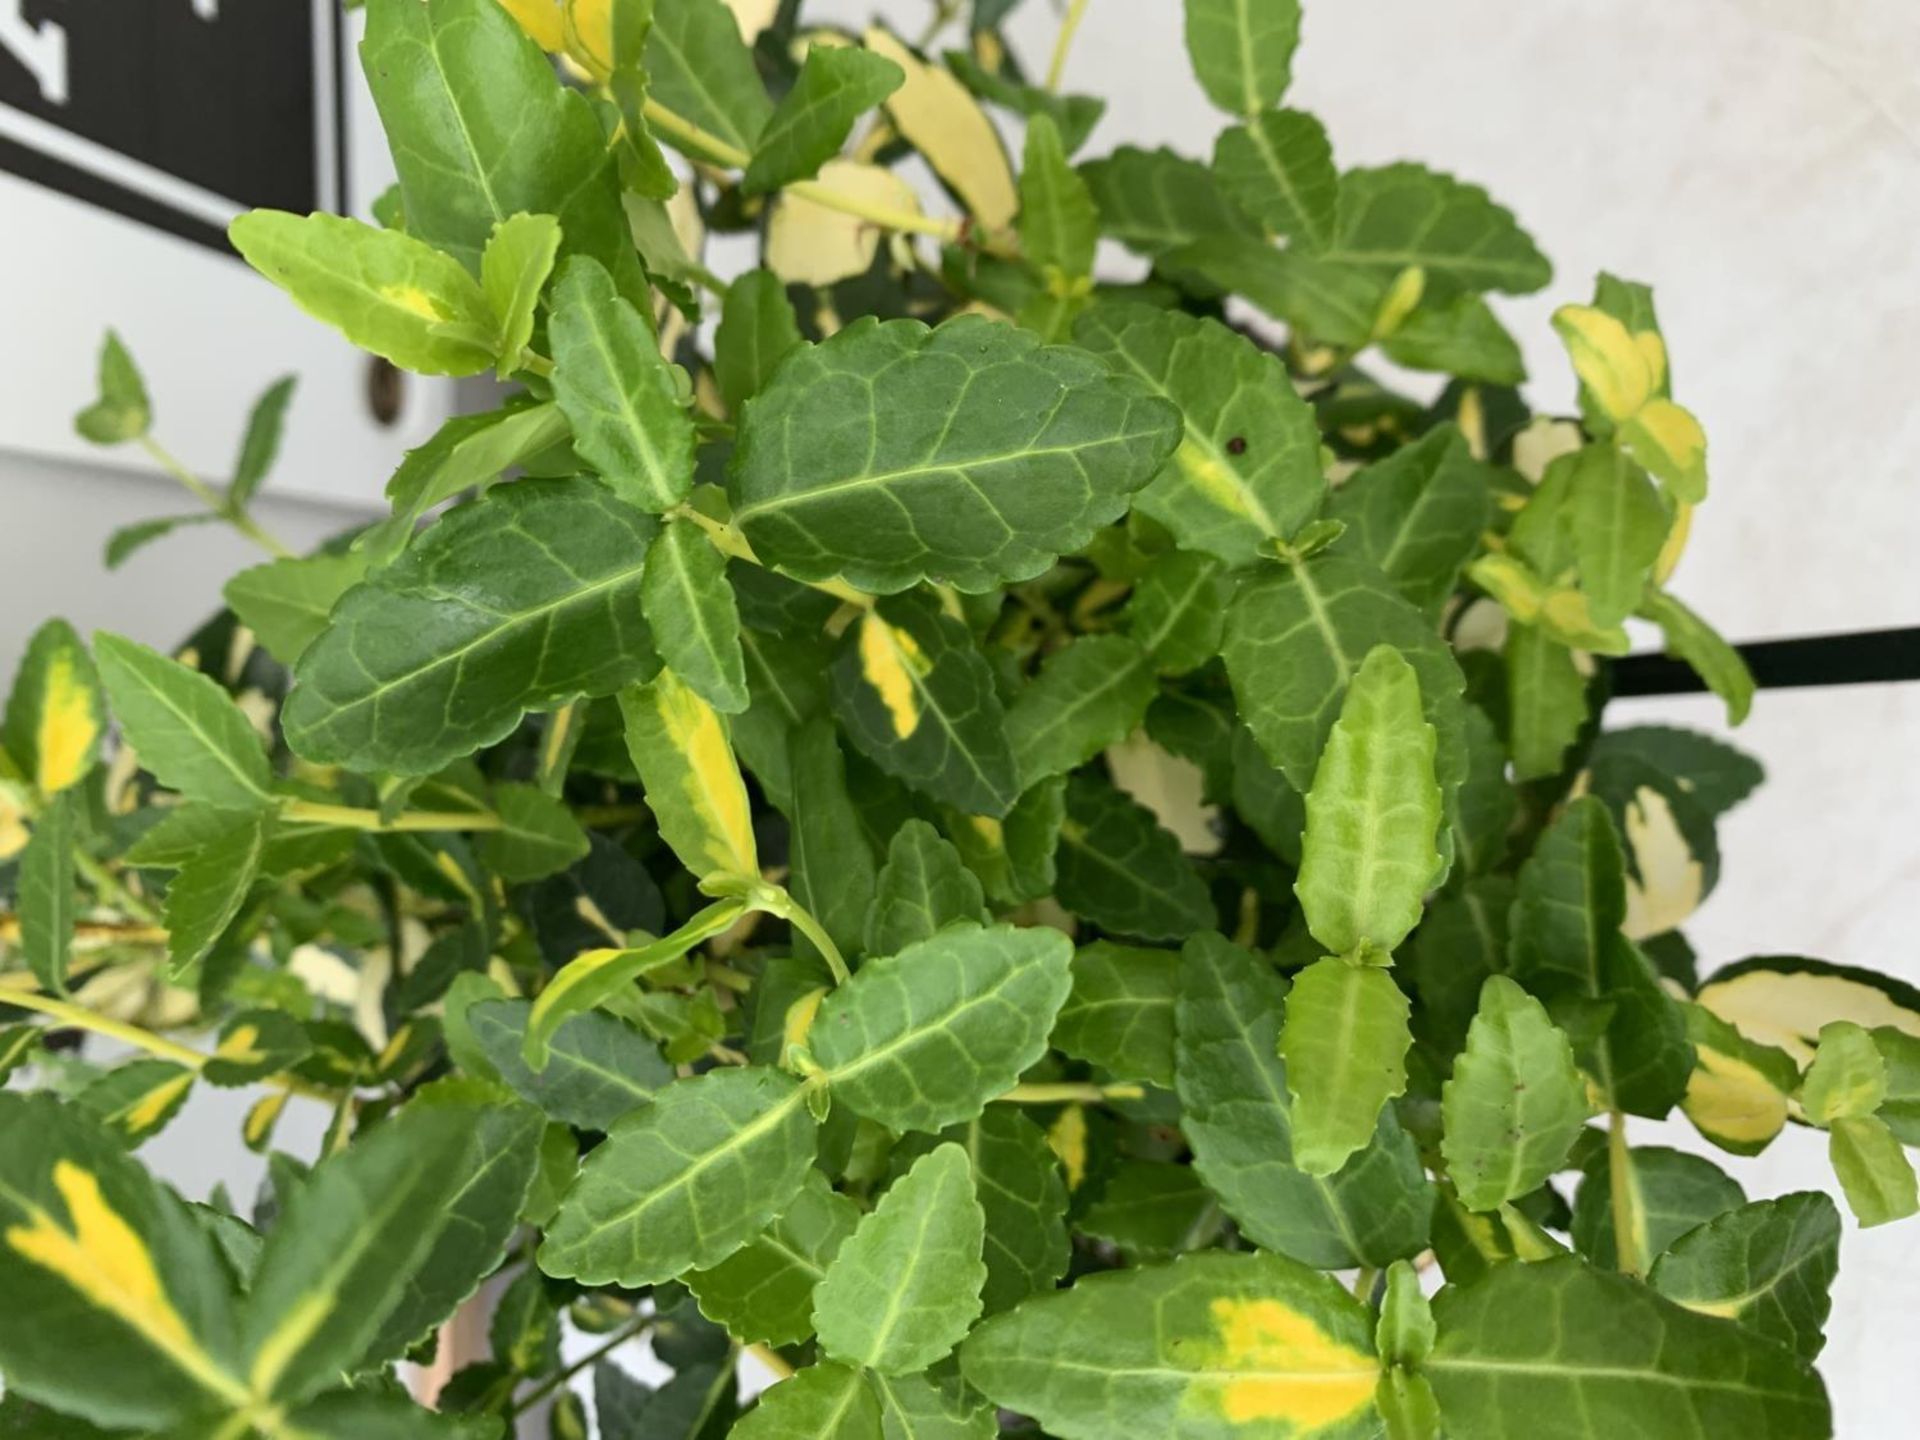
(13, 821)
(810, 244)
(940, 119)
(1666, 882)
(1616, 369)
(1738, 1093)
(1668, 440)
(544, 20)
(680, 746)
(754, 16)
(1211, 1345)
(1783, 1001)
(55, 714)
(891, 661)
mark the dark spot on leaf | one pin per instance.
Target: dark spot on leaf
(1237, 445)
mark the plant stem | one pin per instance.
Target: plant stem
(204, 493)
(560, 1377)
(1625, 1199)
(1069, 27)
(1070, 1092)
(351, 817)
(1363, 1284)
(729, 541)
(81, 1018)
(112, 891)
(797, 915)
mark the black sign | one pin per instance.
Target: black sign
(176, 113)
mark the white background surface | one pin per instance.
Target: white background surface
(1758, 161)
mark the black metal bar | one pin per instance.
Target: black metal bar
(1865, 657)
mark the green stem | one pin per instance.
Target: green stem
(1363, 1284)
(802, 920)
(1070, 1093)
(560, 1377)
(109, 888)
(353, 817)
(1069, 27)
(204, 493)
(1626, 1205)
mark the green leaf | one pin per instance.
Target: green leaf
(822, 1402)
(1153, 1210)
(1458, 336)
(925, 1038)
(1242, 50)
(757, 331)
(679, 745)
(686, 1181)
(1516, 1102)
(1017, 1178)
(138, 1099)
(122, 411)
(594, 977)
(524, 600)
(1568, 950)
(71, 1199)
(1119, 869)
(1213, 1345)
(891, 454)
(918, 699)
(1691, 639)
(905, 1287)
(1015, 858)
(255, 1044)
(468, 450)
(1546, 701)
(599, 1069)
(1404, 215)
(923, 887)
(1296, 637)
(384, 290)
(1716, 776)
(514, 269)
(261, 443)
(834, 872)
(374, 1414)
(1247, 470)
(1236, 1114)
(913, 1407)
(1672, 1193)
(1119, 1014)
(55, 713)
(1768, 1265)
(703, 72)
(763, 1292)
(17, 1046)
(1486, 803)
(287, 602)
(1873, 1170)
(1178, 611)
(128, 540)
(1345, 1044)
(1848, 1077)
(1559, 1348)
(693, 615)
(384, 1240)
(47, 903)
(1620, 524)
(1092, 694)
(210, 888)
(1324, 301)
(1418, 515)
(1059, 225)
(836, 86)
(1154, 201)
(629, 28)
(1368, 856)
(630, 422)
(482, 130)
(538, 835)
(1279, 167)
(184, 727)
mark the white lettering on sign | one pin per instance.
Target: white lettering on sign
(42, 48)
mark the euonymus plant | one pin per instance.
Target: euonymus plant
(1032, 854)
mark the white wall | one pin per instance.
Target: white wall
(1759, 162)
